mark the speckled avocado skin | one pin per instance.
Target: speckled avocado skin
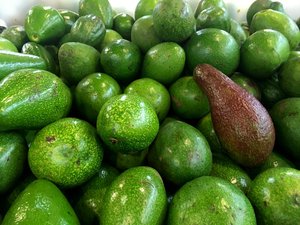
(31, 99)
(41, 203)
(137, 196)
(210, 200)
(127, 123)
(67, 152)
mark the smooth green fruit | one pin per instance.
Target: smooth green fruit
(214, 17)
(121, 59)
(13, 61)
(204, 4)
(101, 8)
(36, 98)
(156, 93)
(143, 27)
(6, 44)
(92, 92)
(77, 60)
(225, 168)
(210, 200)
(144, 8)
(286, 117)
(16, 34)
(88, 29)
(288, 77)
(90, 202)
(205, 126)
(180, 153)
(173, 20)
(279, 21)
(137, 196)
(110, 35)
(127, 123)
(41, 203)
(164, 62)
(69, 16)
(262, 53)
(255, 7)
(273, 192)
(66, 152)
(44, 24)
(238, 32)
(122, 23)
(213, 46)
(39, 50)
(13, 156)
(125, 161)
(246, 83)
(188, 100)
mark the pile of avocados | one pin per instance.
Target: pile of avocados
(171, 115)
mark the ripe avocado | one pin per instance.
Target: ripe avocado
(41, 203)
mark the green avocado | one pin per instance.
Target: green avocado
(275, 196)
(13, 156)
(137, 196)
(90, 202)
(31, 99)
(68, 152)
(173, 20)
(12, 61)
(210, 200)
(41, 203)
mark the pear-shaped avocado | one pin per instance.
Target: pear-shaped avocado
(41, 203)
(137, 196)
(243, 125)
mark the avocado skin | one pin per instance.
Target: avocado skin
(31, 99)
(286, 117)
(41, 203)
(173, 20)
(12, 61)
(68, 152)
(90, 201)
(210, 200)
(137, 196)
(13, 155)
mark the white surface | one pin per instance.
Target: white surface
(14, 11)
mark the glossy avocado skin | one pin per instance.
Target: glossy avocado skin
(137, 196)
(210, 200)
(31, 99)
(13, 155)
(67, 152)
(41, 203)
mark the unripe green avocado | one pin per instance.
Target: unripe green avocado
(137, 196)
(41, 203)
(31, 99)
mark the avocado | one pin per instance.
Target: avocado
(90, 201)
(180, 153)
(137, 196)
(210, 200)
(13, 157)
(36, 98)
(275, 196)
(68, 152)
(16, 34)
(41, 203)
(12, 61)
(173, 20)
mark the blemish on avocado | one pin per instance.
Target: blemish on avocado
(7, 159)
(50, 139)
(113, 140)
(296, 198)
(78, 162)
